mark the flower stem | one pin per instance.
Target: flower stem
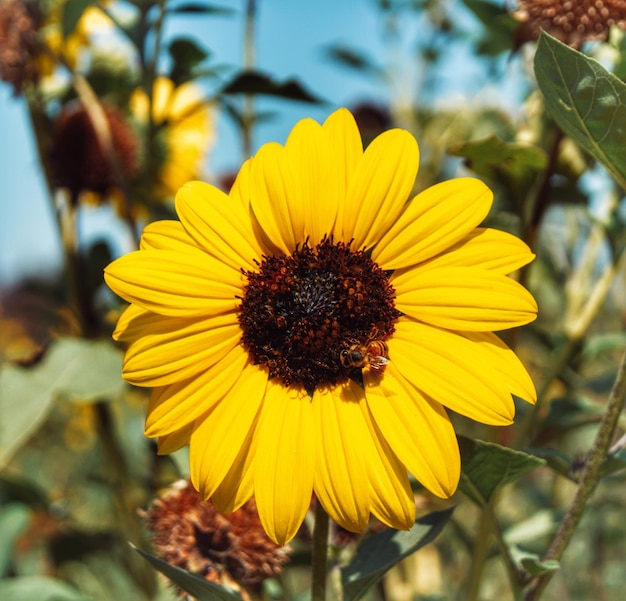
(320, 554)
(247, 117)
(588, 481)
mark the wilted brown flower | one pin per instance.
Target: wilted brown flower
(18, 43)
(77, 159)
(571, 21)
(191, 534)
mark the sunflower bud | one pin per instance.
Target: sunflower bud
(77, 158)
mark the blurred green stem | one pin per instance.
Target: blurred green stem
(589, 479)
(249, 41)
(488, 527)
(150, 61)
(576, 331)
(320, 554)
(121, 486)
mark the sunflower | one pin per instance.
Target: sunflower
(306, 332)
(185, 123)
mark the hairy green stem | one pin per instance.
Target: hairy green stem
(588, 481)
(320, 554)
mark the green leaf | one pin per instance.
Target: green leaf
(72, 367)
(380, 552)
(353, 59)
(186, 56)
(499, 24)
(532, 563)
(486, 466)
(14, 519)
(614, 462)
(195, 585)
(72, 12)
(41, 588)
(586, 101)
(515, 166)
(253, 82)
(597, 344)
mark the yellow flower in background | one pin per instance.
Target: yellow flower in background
(306, 332)
(92, 22)
(187, 125)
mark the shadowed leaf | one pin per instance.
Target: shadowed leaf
(382, 551)
(201, 589)
(252, 82)
(72, 12)
(515, 166)
(487, 466)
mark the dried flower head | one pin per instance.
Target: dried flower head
(571, 21)
(18, 43)
(78, 160)
(191, 534)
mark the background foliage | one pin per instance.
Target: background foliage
(75, 468)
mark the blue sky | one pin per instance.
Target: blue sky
(290, 43)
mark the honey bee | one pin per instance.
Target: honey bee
(372, 354)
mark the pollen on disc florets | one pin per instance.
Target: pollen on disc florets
(300, 311)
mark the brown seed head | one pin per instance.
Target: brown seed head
(571, 21)
(77, 159)
(191, 534)
(18, 43)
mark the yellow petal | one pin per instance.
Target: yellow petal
(171, 349)
(343, 447)
(463, 298)
(284, 462)
(391, 496)
(237, 486)
(218, 224)
(417, 429)
(503, 360)
(175, 283)
(124, 330)
(240, 191)
(166, 235)
(184, 401)
(219, 436)
(487, 249)
(453, 370)
(345, 151)
(379, 187)
(312, 196)
(169, 443)
(271, 183)
(433, 221)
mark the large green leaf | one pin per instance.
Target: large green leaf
(201, 589)
(382, 551)
(40, 588)
(72, 367)
(587, 101)
(487, 466)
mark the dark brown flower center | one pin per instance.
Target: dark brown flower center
(310, 317)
